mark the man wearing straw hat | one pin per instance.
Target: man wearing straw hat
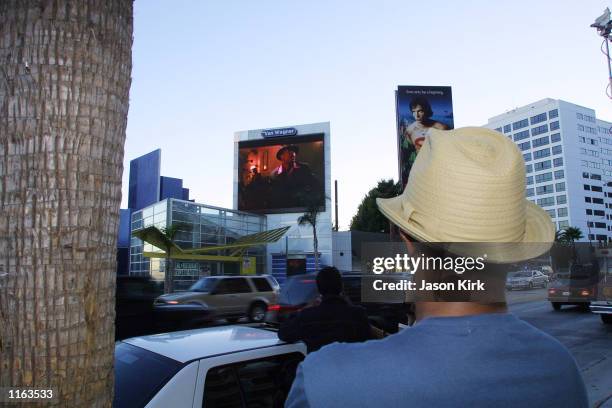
(466, 193)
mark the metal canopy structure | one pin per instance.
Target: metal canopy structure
(154, 236)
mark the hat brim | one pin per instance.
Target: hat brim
(538, 238)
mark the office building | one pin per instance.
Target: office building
(568, 162)
(147, 187)
(198, 226)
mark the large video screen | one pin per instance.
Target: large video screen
(282, 174)
(420, 108)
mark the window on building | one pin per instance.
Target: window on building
(551, 213)
(595, 176)
(586, 187)
(557, 149)
(559, 174)
(561, 199)
(541, 141)
(603, 238)
(560, 187)
(558, 162)
(524, 146)
(599, 213)
(548, 188)
(563, 224)
(546, 202)
(554, 125)
(540, 178)
(580, 127)
(555, 137)
(579, 116)
(529, 180)
(597, 200)
(538, 118)
(543, 165)
(589, 152)
(498, 129)
(529, 192)
(596, 188)
(562, 212)
(591, 237)
(590, 224)
(587, 199)
(589, 211)
(527, 156)
(538, 154)
(528, 168)
(538, 130)
(520, 124)
(553, 113)
(600, 225)
(507, 128)
(521, 135)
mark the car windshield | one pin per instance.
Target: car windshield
(522, 275)
(139, 373)
(203, 285)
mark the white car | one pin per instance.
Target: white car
(217, 366)
(526, 279)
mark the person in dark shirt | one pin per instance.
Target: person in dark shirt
(334, 319)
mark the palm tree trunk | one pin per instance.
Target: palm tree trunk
(168, 276)
(65, 71)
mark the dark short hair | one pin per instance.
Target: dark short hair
(419, 100)
(329, 281)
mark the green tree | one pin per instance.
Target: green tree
(569, 236)
(572, 234)
(368, 218)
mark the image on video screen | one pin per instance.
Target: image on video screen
(281, 175)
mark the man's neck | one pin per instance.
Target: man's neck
(455, 309)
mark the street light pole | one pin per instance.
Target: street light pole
(603, 24)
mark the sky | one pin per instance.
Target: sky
(203, 70)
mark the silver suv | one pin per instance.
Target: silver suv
(229, 297)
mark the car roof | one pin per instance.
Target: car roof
(235, 276)
(195, 344)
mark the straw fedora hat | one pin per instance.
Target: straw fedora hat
(467, 186)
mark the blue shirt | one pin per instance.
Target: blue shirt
(482, 360)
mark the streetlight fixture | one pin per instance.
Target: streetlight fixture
(603, 24)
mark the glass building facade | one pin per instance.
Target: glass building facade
(198, 226)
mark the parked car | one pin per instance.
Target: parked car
(136, 316)
(577, 286)
(134, 298)
(228, 297)
(216, 366)
(299, 290)
(526, 280)
(603, 304)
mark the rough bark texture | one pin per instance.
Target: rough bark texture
(64, 81)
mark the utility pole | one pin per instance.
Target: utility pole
(336, 203)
